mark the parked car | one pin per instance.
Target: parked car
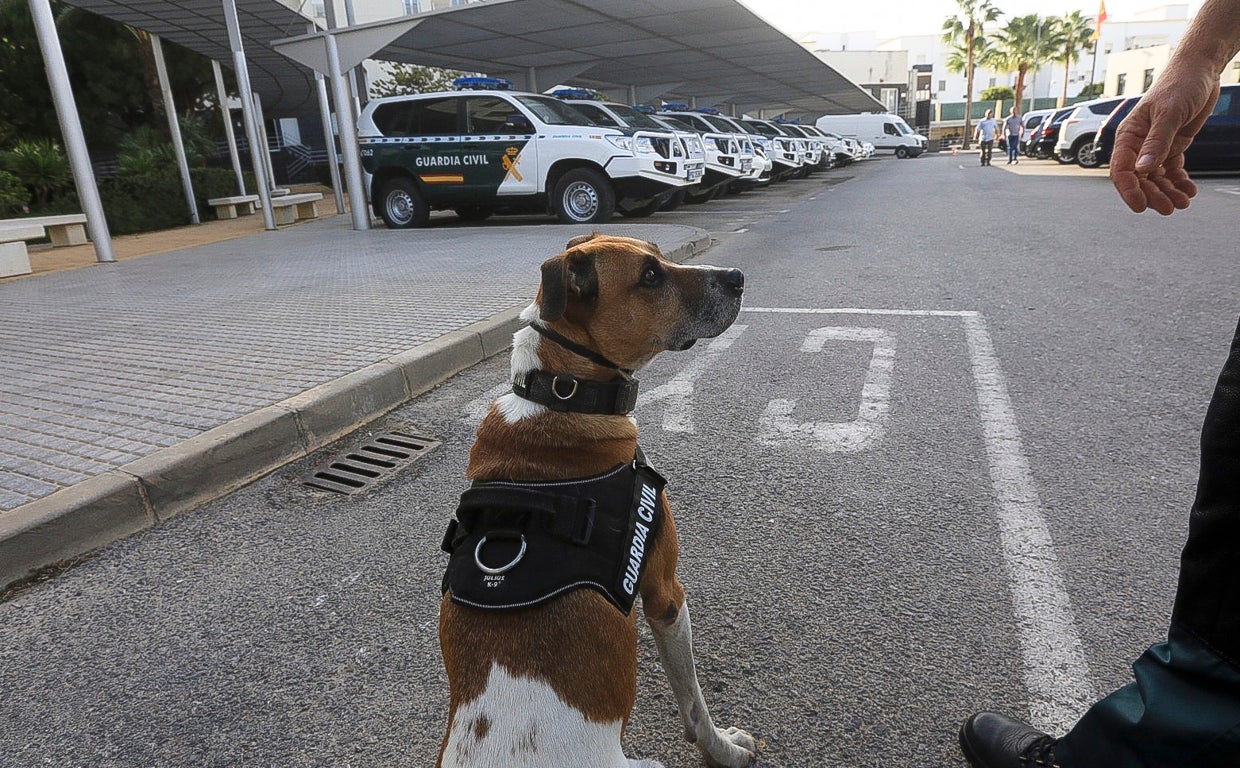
(487, 149)
(760, 174)
(1043, 146)
(884, 130)
(1076, 137)
(1105, 141)
(1216, 146)
(818, 142)
(1032, 120)
(697, 160)
(726, 157)
(838, 147)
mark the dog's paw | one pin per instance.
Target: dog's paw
(733, 748)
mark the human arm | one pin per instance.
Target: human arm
(1147, 163)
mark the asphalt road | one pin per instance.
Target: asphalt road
(967, 491)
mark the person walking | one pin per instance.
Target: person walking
(1014, 127)
(987, 130)
(1183, 710)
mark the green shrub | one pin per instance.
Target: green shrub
(998, 93)
(41, 166)
(14, 196)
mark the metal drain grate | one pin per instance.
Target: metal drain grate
(372, 462)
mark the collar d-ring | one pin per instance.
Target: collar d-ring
(555, 388)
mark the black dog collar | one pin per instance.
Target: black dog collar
(567, 393)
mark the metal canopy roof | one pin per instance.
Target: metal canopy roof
(715, 51)
(285, 88)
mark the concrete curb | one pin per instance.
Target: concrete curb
(175, 480)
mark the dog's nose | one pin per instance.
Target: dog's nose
(734, 279)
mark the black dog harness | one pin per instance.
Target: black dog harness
(517, 545)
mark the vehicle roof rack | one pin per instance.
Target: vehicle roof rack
(482, 84)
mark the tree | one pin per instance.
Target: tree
(412, 78)
(1073, 32)
(105, 62)
(1019, 47)
(965, 31)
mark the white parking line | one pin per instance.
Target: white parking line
(1056, 672)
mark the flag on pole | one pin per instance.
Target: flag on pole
(1102, 16)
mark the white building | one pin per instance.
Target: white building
(1164, 25)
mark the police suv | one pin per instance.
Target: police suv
(615, 115)
(487, 149)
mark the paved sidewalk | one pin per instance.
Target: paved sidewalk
(135, 391)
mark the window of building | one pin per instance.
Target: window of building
(411, 7)
(1148, 80)
(942, 86)
(992, 82)
(1121, 83)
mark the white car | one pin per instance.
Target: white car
(1076, 135)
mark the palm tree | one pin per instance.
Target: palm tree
(1019, 47)
(965, 32)
(1073, 32)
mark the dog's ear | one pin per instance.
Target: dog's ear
(579, 239)
(567, 277)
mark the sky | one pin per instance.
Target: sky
(917, 17)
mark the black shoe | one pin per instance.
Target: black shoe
(991, 740)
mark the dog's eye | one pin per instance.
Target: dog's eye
(652, 277)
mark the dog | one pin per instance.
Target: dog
(548, 679)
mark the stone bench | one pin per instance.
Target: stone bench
(14, 260)
(293, 208)
(63, 229)
(232, 207)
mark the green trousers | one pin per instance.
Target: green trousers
(1183, 708)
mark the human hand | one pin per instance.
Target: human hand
(1147, 163)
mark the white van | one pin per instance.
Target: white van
(882, 129)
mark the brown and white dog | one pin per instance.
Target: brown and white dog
(552, 686)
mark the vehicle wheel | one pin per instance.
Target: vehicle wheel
(641, 211)
(401, 205)
(1086, 157)
(473, 212)
(583, 196)
(1065, 159)
(674, 201)
(901, 152)
(697, 198)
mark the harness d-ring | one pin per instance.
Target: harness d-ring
(555, 380)
(503, 568)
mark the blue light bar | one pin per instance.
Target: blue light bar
(645, 109)
(709, 111)
(676, 107)
(482, 84)
(574, 93)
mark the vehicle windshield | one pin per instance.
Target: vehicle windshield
(635, 119)
(903, 128)
(760, 128)
(719, 124)
(553, 111)
(677, 123)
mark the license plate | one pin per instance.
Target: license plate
(695, 174)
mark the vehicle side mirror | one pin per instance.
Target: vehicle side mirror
(518, 123)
